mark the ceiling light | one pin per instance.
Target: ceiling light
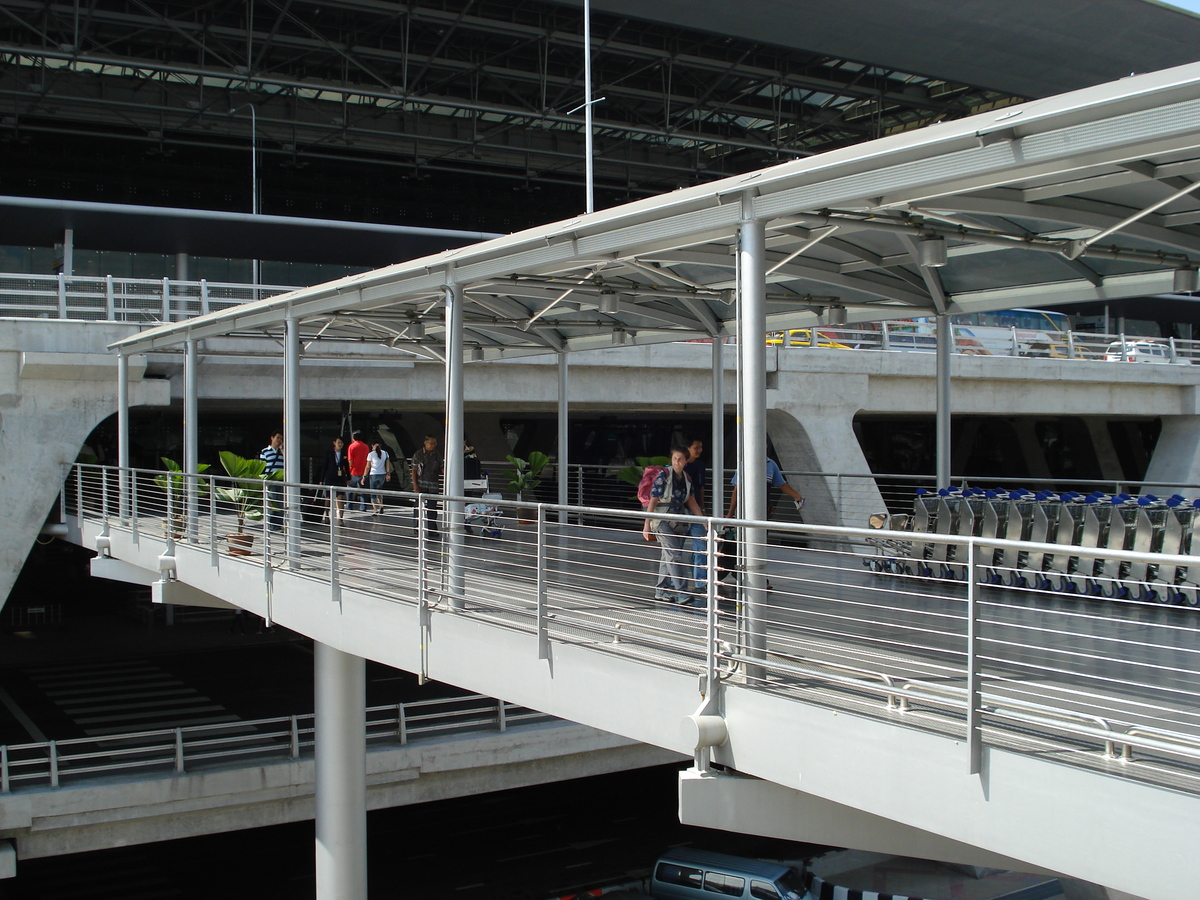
(609, 302)
(620, 338)
(931, 252)
(416, 330)
(1186, 281)
(476, 354)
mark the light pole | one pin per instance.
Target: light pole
(253, 177)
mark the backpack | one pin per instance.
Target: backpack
(649, 474)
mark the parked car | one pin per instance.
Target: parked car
(1139, 352)
(686, 873)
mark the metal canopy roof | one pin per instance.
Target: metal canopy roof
(1024, 198)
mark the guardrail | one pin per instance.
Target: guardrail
(1016, 665)
(191, 747)
(139, 301)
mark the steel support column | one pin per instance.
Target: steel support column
(563, 434)
(752, 464)
(945, 343)
(340, 760)
(453, 524)
(291, 435)
(716, 451)
(191, 435)
(123, 434)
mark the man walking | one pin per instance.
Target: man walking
(272, 455)
(356, 456)
(427, 465)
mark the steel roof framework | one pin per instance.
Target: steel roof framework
(1018, 196)
(460, 85)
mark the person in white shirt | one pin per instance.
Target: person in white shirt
(379, 473)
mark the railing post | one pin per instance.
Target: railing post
(178, 749)
(53, 764)
(1174, 353)
(710, 628)
(62, 295)
(133, 505)
(110, 300)
(213, 552)
(1070, 345)
(335, 587)
(103, 494)
(422, 583)
(78, 492)
(1016, 345)
(501, 717)
(579, 481)
(166, 300)
(886, 341)
(204, 296)
(294, 751)
(1124, 349)
(543, 636)
(974, 690)
(4, 783)
(401, 724)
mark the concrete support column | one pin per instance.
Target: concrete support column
(291, 435)
(752, 464)
(123, 434)
(945, 343)
(340, 759)
(717, 450)
(1106, 451)
(1031, 447)
(191, 435)
(454, 533)
(563, 433)
(68, 254)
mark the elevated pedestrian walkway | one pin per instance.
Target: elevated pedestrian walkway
(935, 717)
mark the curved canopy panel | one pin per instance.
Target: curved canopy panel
(1082, 197)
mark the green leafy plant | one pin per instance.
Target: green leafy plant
(525, 478)
(174, 484)
(633, 474)
(246, 496)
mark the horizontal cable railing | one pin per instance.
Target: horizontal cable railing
(138, 301)
(149, 301)
(933, 629)
(192, 747)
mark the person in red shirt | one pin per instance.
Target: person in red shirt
(356, 455)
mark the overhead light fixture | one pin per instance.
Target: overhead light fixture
(1186, 281)
(476, 354)
(931, 252)
(620, 338)
(836, 315)
(610, 303)
(416, 330)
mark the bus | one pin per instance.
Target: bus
(1035, 332)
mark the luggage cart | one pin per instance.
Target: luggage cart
(891, 554)
(484, 517)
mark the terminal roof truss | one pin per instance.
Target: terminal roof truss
(473, 86)
(1085, 196)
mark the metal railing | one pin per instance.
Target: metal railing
(138, 301)
(194, 747)
(149, 301)
(981, 658)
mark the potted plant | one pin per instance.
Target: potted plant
(525, 480)
(246, 495)
(174, 484)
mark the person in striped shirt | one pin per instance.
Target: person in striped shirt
(272, 455)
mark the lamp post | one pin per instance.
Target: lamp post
(253, 177)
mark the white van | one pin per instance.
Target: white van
(686, 874)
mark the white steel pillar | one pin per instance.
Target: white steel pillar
(68, 252)
(752, 464)
(945, 343)
(123, 434)
(716, 451)
(291, 435)
(453, 523)
(340, 759)
(181, 267)
(564, 434)
(191, 435)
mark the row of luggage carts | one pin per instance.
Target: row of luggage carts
(1073, 520)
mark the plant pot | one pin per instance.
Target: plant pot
(240, 544)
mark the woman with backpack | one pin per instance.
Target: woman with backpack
(672, 490)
